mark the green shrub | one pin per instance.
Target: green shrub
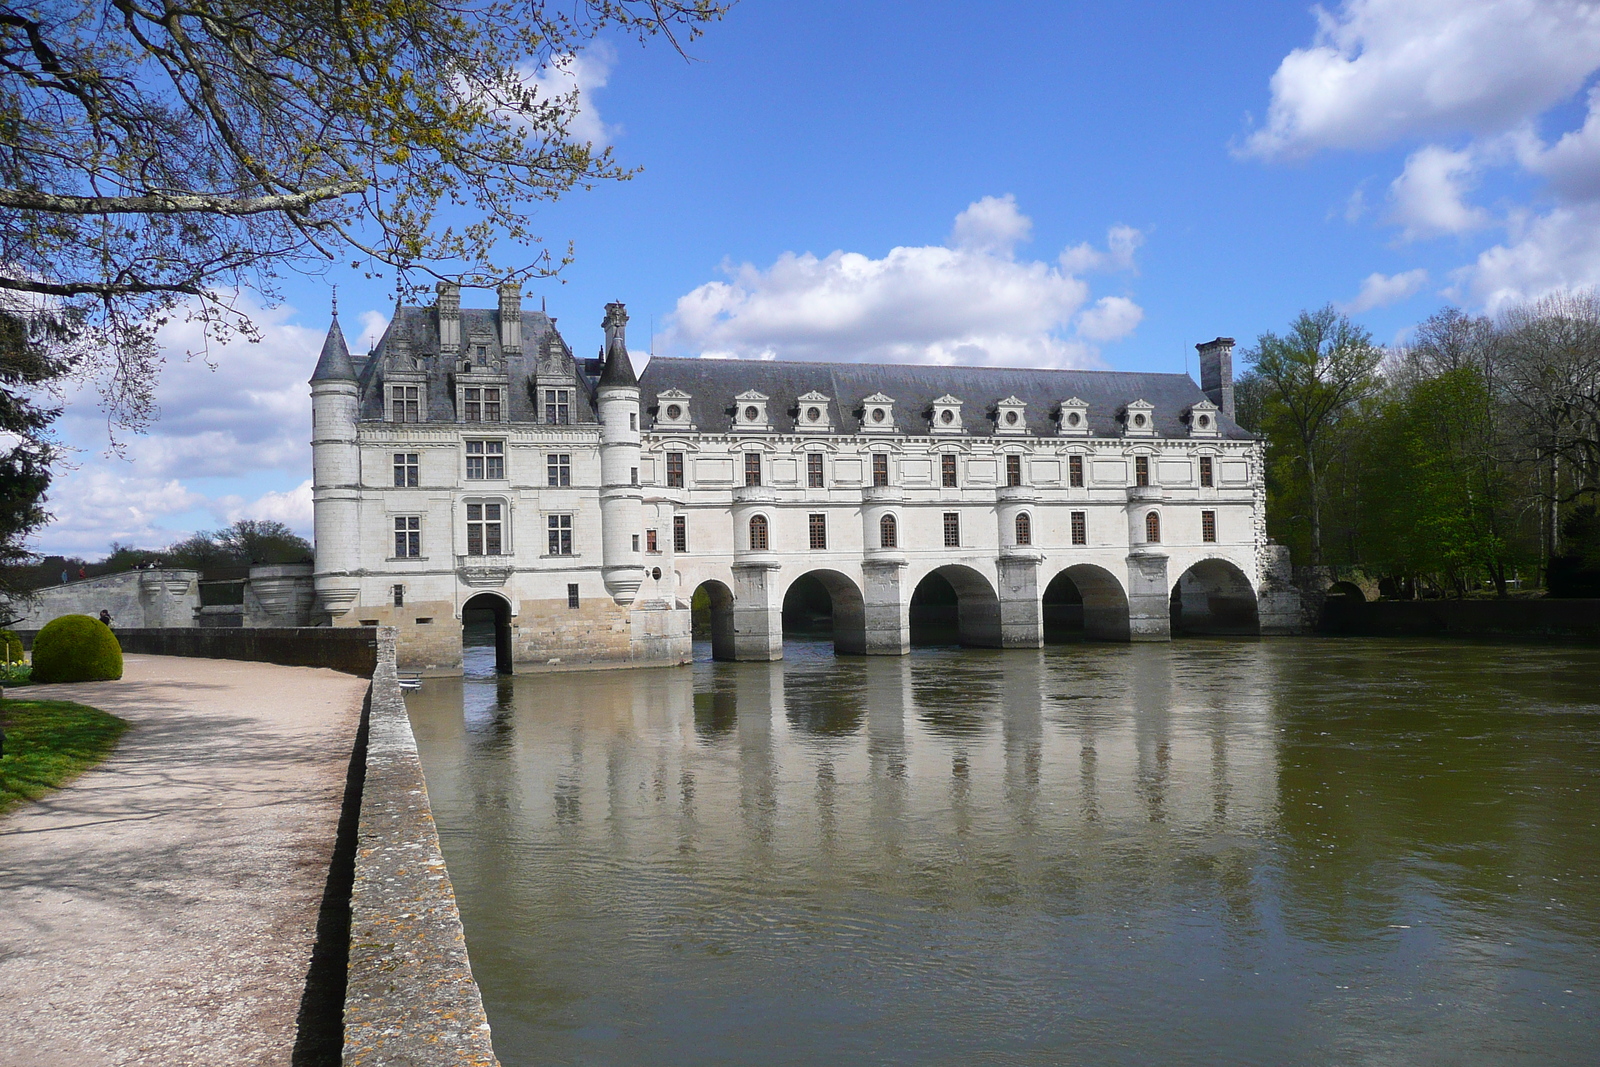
(76, 648)
(10, 647)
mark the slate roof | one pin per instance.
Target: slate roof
(544, 353)
(334, 363)
(713, 383)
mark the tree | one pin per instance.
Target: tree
(157, 157)
(1309, 378)
(26, 365)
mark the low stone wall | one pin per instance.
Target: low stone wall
(410, 998)
(353, 650)
(1565, 619)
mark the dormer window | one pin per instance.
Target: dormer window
(877, 414)
(558, 406)
(672, 410)
(750, 411)
(1074, 418)
(1202, 419)
(482, 352)
(1010, 417)
(405, 403)
(480, 405)
(1139, 419)
(812, 413)
(945, 415)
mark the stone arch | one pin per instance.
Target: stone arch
(1349, 590)
(1087, 600)
(1214, 597)
(711, 614)
(976, 608)
(486, 609)
(847, 609)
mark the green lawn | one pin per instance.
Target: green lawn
(48, 743)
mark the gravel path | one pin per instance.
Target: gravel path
(162, 908)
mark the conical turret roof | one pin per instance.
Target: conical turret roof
(619, 368)
(334, 363)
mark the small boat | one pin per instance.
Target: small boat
(410, 681)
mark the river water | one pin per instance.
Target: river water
(1218, 852)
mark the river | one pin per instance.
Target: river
(1265, 852)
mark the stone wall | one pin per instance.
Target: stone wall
(350, 649)
(167, 597)
(410, 997)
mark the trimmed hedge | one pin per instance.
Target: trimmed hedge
(76, 648)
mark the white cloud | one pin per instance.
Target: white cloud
(1121, 243)
(111, 501)
(1557, 250)
(577, 76)
(992, 225)
(1429, 196)
(1572, 164)
(1382, 70)
(972, 302)
(1381, 290)
(292, 508)
(1110, 319)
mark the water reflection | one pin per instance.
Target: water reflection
(1284, 852)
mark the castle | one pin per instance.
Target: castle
(471, 463)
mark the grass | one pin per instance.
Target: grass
(49, 743)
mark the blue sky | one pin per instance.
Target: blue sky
(1016, 183)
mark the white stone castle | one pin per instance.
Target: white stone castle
(470, 462)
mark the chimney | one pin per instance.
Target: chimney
(1216, 373)
(616, 327)
(510, 317)
(449, 317)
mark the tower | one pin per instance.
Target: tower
(1216, 373)
(335, 473)
(621, 501)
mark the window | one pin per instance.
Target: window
(650, 544)
(1152, 528)
(405, 404)
(680, 533)
(814, 470)
(491, 405)
(633, 420)
(482, 352)
(952, 529)
(633, 475)
(1141, 470)
(558, 406)
(473, 407)
(947, 470)
(888, 533)
(558, 469)
(1024, 529)
(483, 530)
(880, 468)
(486, 460)
(407, 537)
(674, 470)
(1013, 470)
(405, 469)
(758, 533)
(1075, 471)
(752, 468)
(1080, 527)
(636, 542)
(1206, 477)
(572, 596)
(1208, 526)
(559, 527)
(399, 596)
(819, 532)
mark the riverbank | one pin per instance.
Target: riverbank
(1571, 620)
(163, 908)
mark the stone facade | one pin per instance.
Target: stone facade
(163, 598)
(470, 461)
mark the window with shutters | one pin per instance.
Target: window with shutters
(680, 533)
(559, 530)
(1206, 476)
(880, 468)
(674, 470)
(819, 531)
(1141, 470)
(814, 470)
(952, 529)
(947, 470)
(1080, 527)
(1152, 528)
(1075, 471)
(1208, 526)
(405, 469)
(758, 533)
(752, 468)
(407, 536)
(485, 529)
(558, 469)
(1013, 470)
(888, 532)
(1024, 529)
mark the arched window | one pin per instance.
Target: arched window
(1024, 529)
(758, 533)
(1152, 528)
(887, 532)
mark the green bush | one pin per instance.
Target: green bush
(10, 647)
(76, 648)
